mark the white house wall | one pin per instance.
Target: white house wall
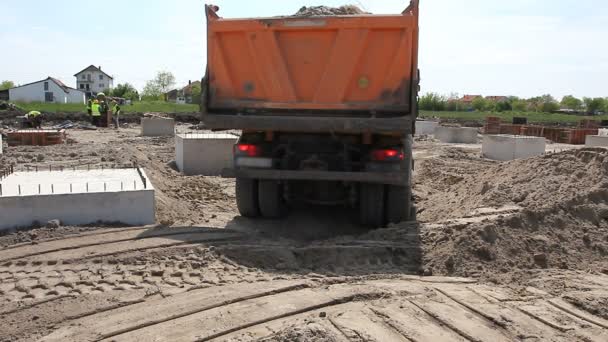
(75, 96)
(35, 93)
(95, 86)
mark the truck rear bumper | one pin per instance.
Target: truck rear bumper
(391, 178)
(309, 124)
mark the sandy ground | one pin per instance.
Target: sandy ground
(501, 252)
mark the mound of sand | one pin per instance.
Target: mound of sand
(562, 222)
(533, 184)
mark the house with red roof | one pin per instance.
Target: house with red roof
(468, 99)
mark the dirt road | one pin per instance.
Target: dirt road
(481, 265)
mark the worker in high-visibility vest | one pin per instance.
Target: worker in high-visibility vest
(104, 110)
(116, 111)
(95, 113)
(89, 104)
(34, 119)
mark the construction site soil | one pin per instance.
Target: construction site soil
(500, 252)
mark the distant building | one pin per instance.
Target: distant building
(93, 80)
(184, 95)
(50, 90)
(468, 99)
(497, 98)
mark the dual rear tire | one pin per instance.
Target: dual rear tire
(379, 204)
(257, 198)
(384, 204)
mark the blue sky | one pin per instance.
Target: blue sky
(490, 47)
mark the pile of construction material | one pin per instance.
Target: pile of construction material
(456, 135)
(597, 141)
(316, 11)
(426, 127)
(76, 197)
(36, 137)
(511, 147)
(573, 136)
(154, 125)
(550, 211)
(204, 154)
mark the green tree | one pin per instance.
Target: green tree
(503, 106)
(432, 101)
(126, 91)
(548, 104)
(518, 105)
(164, 81)
(594, 105)
(480, 104)
(7, 85)
(196, 94)
(545, 103)
(571, 102)
(151, 92)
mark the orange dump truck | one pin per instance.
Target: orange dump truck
(327, 107)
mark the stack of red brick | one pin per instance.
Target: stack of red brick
(36, 137)
(574, 136)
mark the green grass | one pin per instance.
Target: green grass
(166, 107)
(136, 107)
(508, 116)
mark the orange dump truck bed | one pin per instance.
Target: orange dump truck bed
(363, 64)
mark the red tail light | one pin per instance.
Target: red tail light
(387, 155)
(248, 150)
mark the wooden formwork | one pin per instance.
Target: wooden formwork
(511, 129)
(586, 123)
(558, 135)
(36, 137)
(579, 136)
(573, 136)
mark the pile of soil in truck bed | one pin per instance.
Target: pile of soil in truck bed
(317, 11)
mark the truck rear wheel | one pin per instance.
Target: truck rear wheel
(247, 197)
(398, 203)
(371, 202)
(270, 196)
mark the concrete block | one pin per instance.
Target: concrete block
(456, 135)
(603, 132)
(77, 198)
(426, 127)
(157, 127)
(596, 141)
(511, 147)
(204, 154)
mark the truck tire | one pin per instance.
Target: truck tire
(371, 202)
(398, 203)
(247, 197)
(270, 196)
